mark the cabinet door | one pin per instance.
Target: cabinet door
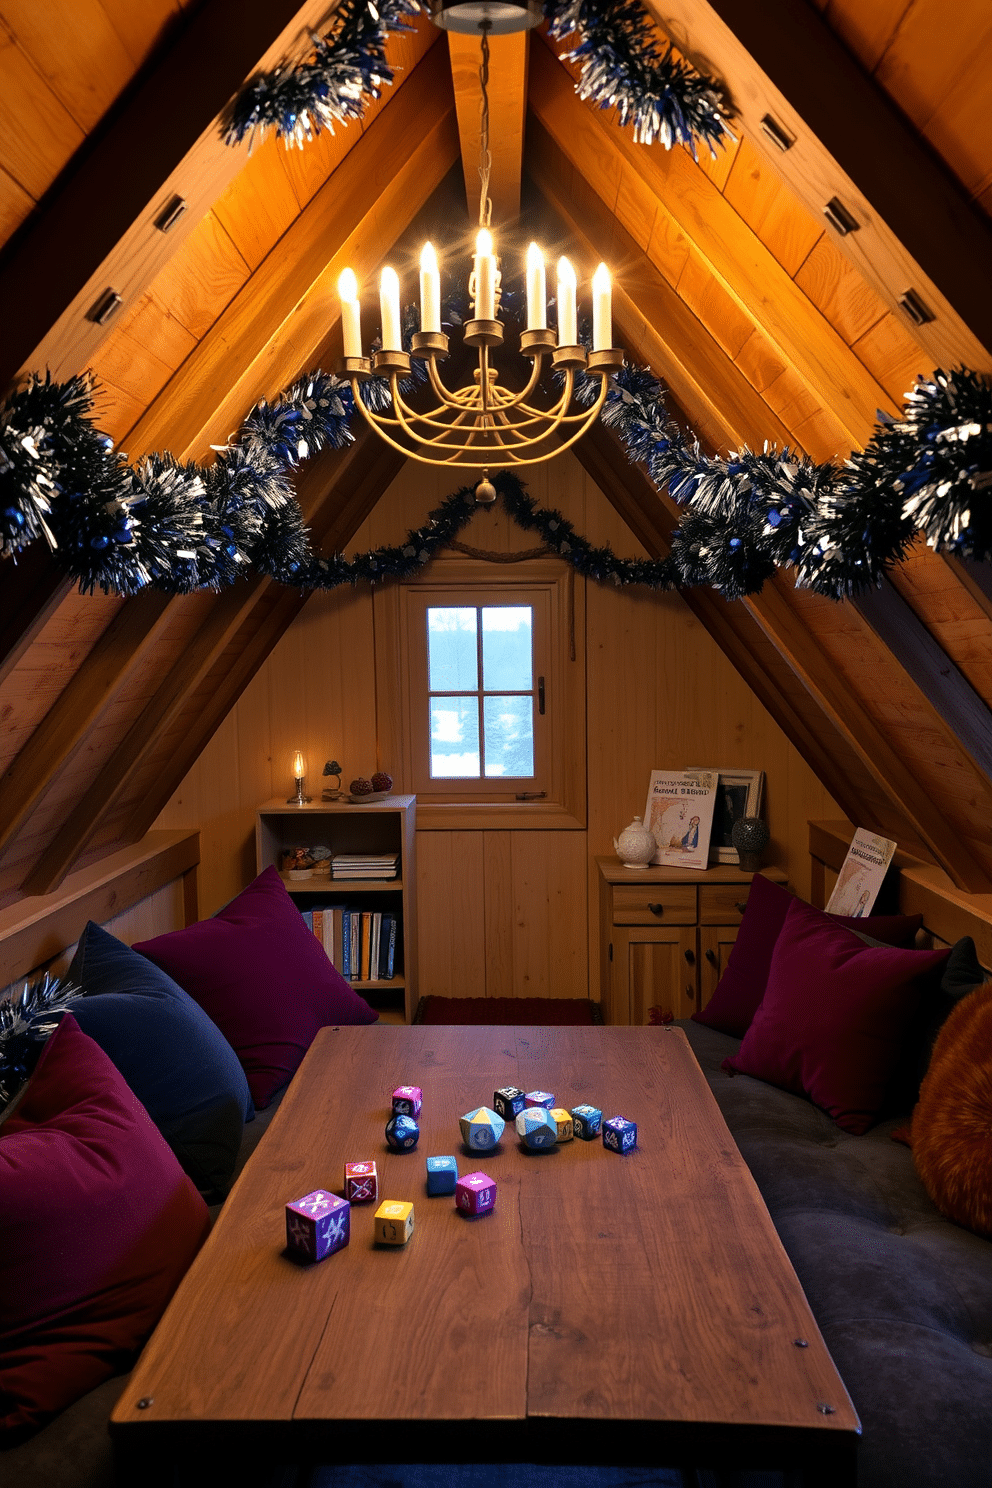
(715, 942)
(654, 968)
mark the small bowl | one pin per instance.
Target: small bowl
(372, 796)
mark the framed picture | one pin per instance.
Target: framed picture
(738, 793)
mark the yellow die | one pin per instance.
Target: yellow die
(563, 1120)
(393, 1222)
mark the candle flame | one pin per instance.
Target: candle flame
(299, 767)
(566, 274)
(484, 243)
(601, 278)
(428, 259)
(535, 258)
(348, 287)
(390, 279)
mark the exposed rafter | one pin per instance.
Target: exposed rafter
(507, 106)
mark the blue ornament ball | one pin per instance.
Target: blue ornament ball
(402, 1133)
(100, 542)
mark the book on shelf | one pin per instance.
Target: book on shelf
(364, 944)
(365, 865)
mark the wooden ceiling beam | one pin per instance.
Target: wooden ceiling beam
(96, 230)
(89, 689)
(275, 326)
(507, 92)
(691, 204)
(31, 590)
(917, 228)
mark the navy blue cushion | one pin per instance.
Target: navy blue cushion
(176, 1061)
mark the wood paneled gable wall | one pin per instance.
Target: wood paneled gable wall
(765, 323)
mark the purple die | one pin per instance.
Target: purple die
(475, 1193)
(587, 1121)
(408, 1100)
(317, 1225)
(619, 1134)
(508, 1102)
(539, 1098)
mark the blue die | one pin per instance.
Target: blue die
(586, 1121)
(442, 1175)
(402, 1133)
(619, 1134)
(508, 1102)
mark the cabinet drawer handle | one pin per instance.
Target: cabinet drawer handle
(690, 956)
(740, 908)
(657, 909)
(711, 957)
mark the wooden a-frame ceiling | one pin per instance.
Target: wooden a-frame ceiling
(764, 323)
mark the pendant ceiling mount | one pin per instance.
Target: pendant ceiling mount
(498, 17)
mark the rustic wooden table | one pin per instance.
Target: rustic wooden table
(611, 1309)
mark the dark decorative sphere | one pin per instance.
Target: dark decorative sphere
(402, 1133)
(750, 837)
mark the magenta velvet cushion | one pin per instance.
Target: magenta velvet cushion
(98, 1223)
(263, 978)
(836, 1017)
(742, 985)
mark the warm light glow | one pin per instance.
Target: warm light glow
(484, 242)
(299, 766)
(537, 290)
(485, 277)
(351, 315)
(348, 286)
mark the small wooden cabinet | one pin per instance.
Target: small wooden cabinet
(665, 935)
(387, 826)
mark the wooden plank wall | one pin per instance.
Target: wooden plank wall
(500, 912)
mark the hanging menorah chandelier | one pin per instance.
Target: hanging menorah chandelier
(484, 424)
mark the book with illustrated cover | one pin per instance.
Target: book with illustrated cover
(861, 875)
(679, 814)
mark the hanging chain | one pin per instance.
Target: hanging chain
(485, 156)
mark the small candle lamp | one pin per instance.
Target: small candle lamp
(299, 780)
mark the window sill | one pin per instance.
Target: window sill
(509, 816)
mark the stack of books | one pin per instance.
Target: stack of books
(365, 865)
(361, 943)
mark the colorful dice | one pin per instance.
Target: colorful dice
(481, 1129)
(537, 1128)
(361, 1182)
(408, 1100)
(441, 1175)
(317, 1225)
(539, 1098)
(402, 1133)
(586, 1122)
(619, 1134)
(563, 1121)
(475, 1193)
(508, 1102)
(393, 1222)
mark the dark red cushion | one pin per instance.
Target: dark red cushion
(263, 978)
(742, 986)
(836, 1017)
(98, 1223)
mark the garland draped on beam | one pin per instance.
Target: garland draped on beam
(662, 97)
(181, 527)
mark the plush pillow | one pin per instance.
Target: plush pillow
(742, 985)
(952, 1123)
(835, 1018)
(99, 1224)
(263, 978)
(178, 1063)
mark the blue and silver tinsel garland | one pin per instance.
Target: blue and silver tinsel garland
(663, 97)
(27, 1019)
(180, 528)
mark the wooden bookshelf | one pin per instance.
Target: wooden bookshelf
(387, 826)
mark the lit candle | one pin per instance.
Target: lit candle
(537, 293)
(389, 305)
(299, 766)
(602, 310)
(430, 290)
(485, 277)
(567, 323)
(351, 322)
